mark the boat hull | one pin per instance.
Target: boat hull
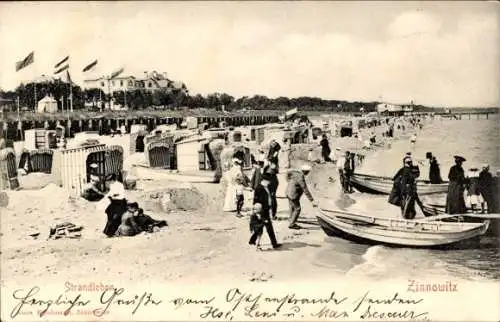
(383, 185)
(403, 233)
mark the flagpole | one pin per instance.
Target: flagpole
(18, 113)
(109, 93)
(71, 95)
(34, 87)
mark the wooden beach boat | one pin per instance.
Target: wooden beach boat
(437, 212)
(383, 185)
(398, 232)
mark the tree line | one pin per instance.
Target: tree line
(173, 98)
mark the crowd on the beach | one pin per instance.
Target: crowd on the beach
(125, 218)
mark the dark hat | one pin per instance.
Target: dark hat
(266, 176)
(133, 205)
(428, 155)
(459, 158)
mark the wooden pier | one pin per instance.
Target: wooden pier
(466, 115)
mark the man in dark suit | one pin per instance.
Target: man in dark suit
(262, 195)
(257, 173)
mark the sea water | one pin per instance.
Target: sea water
(476, 140)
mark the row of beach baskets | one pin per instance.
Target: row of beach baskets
(71, 168)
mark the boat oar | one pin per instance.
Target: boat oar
(347, 215)
(437, 206)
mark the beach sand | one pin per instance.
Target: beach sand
(201, 243)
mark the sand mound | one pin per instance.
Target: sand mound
(301, 151)
(35, 180)
(170, 199)
(50, 197)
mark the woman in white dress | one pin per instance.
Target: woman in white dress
(231, 176)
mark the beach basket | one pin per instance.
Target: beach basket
(41, 160)
(114, 160)
(160, 155)
(71, 167)
(24, 160)
(8, 170)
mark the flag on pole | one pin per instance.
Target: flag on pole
(90, 66)
(62, 69)
(28, 60)
(116, 73)
(65, 59)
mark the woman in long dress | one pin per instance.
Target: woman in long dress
(232, 176)
(405, 180)
(455, 203)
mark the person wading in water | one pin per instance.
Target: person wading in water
(455, 203)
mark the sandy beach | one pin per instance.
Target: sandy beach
(201, 241)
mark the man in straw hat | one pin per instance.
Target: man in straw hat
(296, 187)
(455, 203)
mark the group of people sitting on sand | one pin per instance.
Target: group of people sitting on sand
(124, 218)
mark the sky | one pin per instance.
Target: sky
(434, 53)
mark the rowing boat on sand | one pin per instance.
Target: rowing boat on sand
(383, 185)
(397, 232)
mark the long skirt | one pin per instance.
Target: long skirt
(114, 213)
(455, 202)
(230, 198)
(408, 207)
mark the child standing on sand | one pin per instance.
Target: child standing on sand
(256, 225)
(240, 199)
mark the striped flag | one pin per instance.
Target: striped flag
(28, 60)
(116, 73)
(61, 69)
(65, 59)
(90, 66)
